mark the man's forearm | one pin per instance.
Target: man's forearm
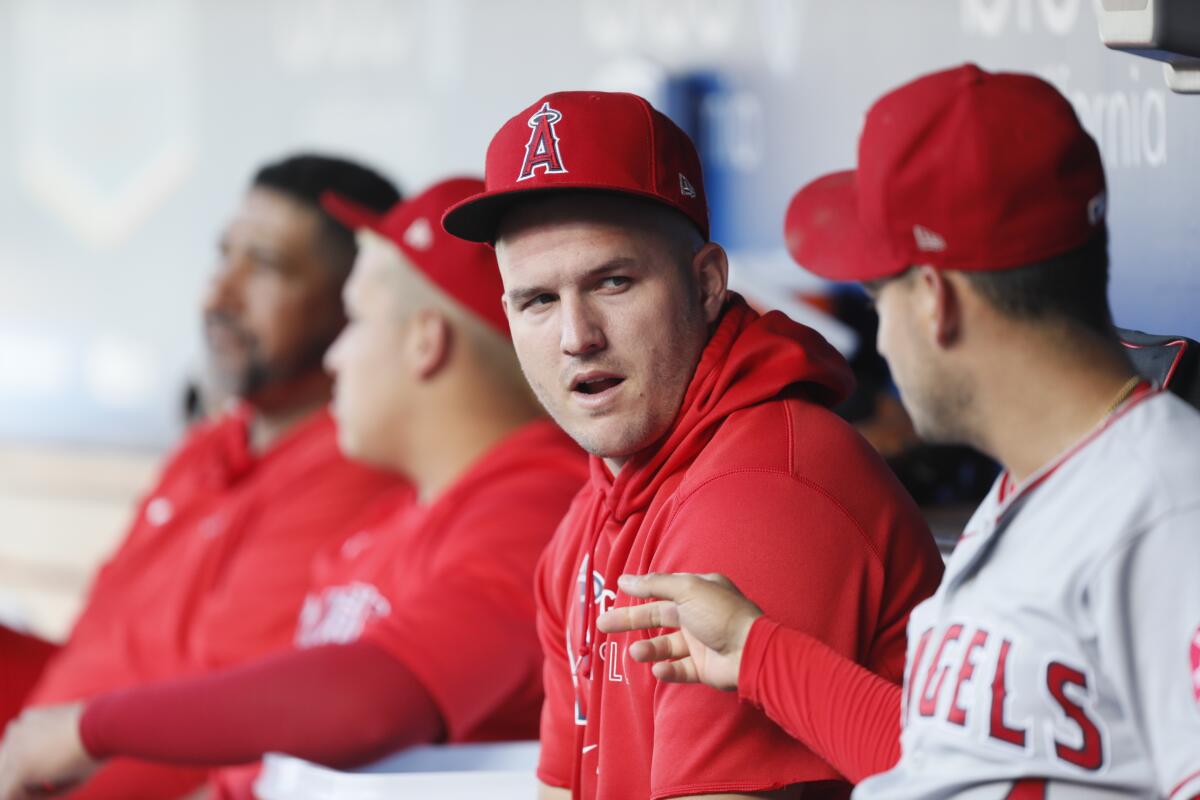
(844, 712)
(337, 705)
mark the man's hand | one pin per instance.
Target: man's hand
(712, 616)
(42, 754)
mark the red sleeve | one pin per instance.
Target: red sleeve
(22, 659)
(555, 759)
(337, 705)
(846, 714)
(807, 563)
(467, 629)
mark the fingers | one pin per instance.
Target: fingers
(661, 614)
(660, 648)
(720, 580)
(681, 671)
(675, 586)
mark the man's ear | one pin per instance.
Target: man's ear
(939, 305)
(710, 266)
(427, 345)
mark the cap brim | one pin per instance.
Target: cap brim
(478, 218)
(349, 213)
(824, 236)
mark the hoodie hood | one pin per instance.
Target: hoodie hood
(751, 358)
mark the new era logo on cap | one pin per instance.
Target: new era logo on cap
(685, 186)
(927, 240)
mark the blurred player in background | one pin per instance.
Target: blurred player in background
(713, 448)
(1060, 657)
(421, 627)
(216, 562)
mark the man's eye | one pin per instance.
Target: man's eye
(540, 300)
(614, 282)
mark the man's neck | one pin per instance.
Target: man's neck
(275, 415)
(268, 428)
(614, 465)
(453, 437)
(1039, 407)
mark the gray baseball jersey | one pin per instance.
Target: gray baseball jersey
(1060, 657)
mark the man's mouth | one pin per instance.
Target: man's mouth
(592, 383)
(223, 335)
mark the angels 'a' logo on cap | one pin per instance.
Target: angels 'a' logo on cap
(542, 148)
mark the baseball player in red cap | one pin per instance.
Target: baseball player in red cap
(421, 627)
(1060, 657)
(713, 448)
(216, 558)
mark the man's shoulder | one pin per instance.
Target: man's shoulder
(1166, 438)
(803, 441)
(1152, 452)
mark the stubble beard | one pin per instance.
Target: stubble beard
(942, 411)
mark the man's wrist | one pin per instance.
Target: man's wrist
(752, 655)
(88, 730)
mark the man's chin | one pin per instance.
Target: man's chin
(612, 442)
(228, 375)
(351, 448)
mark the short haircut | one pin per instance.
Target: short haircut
(1070, 289)
(305, 177)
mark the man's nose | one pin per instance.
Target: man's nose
(332, 358)
(225, 287)
(582, 331)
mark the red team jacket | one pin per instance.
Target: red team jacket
(446, 588)
(211, 573)
(758, 480)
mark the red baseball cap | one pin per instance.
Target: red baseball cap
(962, 169)
(584, 141)
(466, 272)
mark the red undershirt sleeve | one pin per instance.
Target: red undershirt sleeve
(843, 712)
(337, 705)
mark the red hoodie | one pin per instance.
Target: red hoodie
(758, 480)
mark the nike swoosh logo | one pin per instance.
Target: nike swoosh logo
(589, 748)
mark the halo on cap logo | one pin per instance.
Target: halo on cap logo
(542, 148)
